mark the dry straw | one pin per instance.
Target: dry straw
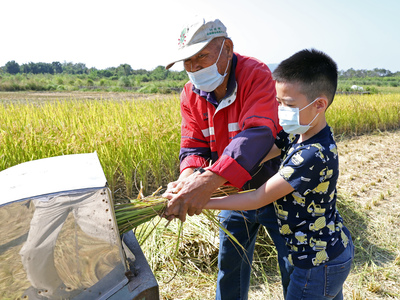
(144, 209)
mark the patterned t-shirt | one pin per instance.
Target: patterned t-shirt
(308, 218)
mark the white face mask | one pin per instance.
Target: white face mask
(289, 119)
(208, 79)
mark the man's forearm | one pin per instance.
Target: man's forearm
(212, 180)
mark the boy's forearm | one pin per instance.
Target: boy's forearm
(244, 201)
(274, 152)
(272, 190)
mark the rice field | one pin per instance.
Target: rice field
(359, 114)
(137, 141)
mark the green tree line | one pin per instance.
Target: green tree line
(159, 73)
(70, 76)
(351, 73)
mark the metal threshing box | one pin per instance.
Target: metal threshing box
(59, 238)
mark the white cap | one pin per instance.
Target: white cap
(195, 36)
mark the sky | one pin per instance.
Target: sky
(358, 34)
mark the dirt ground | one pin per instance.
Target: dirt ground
(370, 172)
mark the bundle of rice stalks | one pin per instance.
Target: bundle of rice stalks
(139, 211)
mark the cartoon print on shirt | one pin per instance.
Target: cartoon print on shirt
(293, 247)
(318, 225)
(319, 152)
(285, 229)
(325, 174)
(345, 239)
(301, 237)
(286, 172)
(297, 159)
(322, 188)
(339, 226)
(291, 137)
(306, 179)
(331, 226)
(280, 212)
(290, 151)
(298, 199)
(317, 245)
(333, 149)
(332, 195)
(290, 259)
(320, 258)
(315, 209)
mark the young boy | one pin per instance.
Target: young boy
(304, 189)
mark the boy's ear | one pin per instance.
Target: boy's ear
(322, 104)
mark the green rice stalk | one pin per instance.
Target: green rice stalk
(213, 219)
(139, 211)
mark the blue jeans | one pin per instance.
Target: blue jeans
(322, 282)
(234, 265)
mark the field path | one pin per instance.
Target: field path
(370, 177)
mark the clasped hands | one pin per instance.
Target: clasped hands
(190, 193)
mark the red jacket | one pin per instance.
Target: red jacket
(237, 134)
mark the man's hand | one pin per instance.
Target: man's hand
(188, 195)
(175, 186)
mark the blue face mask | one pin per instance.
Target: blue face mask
(289, 119)
(208, 79)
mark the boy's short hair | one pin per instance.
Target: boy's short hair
(314, 70)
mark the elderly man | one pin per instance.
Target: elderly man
(229, 124)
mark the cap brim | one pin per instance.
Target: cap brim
(187, 52)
